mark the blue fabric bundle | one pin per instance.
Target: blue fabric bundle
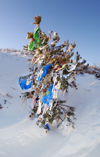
(48, 96)
(23, 85)
(46, 68)
(47, 126)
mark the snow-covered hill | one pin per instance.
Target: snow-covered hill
(21, 137)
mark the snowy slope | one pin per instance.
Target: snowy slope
(21, 137)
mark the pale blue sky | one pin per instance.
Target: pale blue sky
(73, 20)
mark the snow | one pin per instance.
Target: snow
(21, 137)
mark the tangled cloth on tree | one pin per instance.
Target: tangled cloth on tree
(47, 127)
(23, 83)
(48, 96)
(46, 68)
(37, 40)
